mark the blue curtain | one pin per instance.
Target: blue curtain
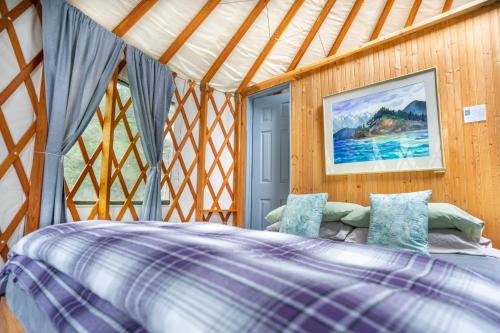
(151, 86)
(79, 59)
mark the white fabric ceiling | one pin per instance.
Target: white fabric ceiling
(166, 19)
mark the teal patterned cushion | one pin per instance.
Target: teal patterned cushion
(302, 215)
(400, 220)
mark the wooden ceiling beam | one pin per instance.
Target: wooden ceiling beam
(447, 5)
(133, 17)
(312, 33)
(382, 19)
(345, 28)
(413, 13)
(188, 30)
(270, 44)
(392, 37)
(235, 40)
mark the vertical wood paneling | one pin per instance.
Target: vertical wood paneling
(466, 53)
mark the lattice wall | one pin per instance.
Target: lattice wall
(20, 79)
(218, 202)
(183, 129)
(127, 175)
(85, 156)
(128, 164)
(20, 86)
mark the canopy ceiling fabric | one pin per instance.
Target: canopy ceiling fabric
(159, 27)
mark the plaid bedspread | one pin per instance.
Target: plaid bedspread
(214, 278)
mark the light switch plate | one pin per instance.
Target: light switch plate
(474, 113)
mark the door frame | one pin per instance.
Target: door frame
(249, 148)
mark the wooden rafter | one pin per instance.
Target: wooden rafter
(447, 5)
(188, 30)
(311, 34)
(382, 19)
(304, 70)
(235, 40)
(345, 28)
(413, 13)
(270, 44)
(133, 17)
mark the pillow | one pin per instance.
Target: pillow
(455, 241)
(275, 215)
(441, 216)
(359, 217)
(329, 230)
(440, 241)
(334, 230)
(448, 216)
(302, 215)
(358, 236)
(332, 212)
(275, 227)
(399, 221)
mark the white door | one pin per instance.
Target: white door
(270, 156)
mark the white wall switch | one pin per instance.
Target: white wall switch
(475, 113)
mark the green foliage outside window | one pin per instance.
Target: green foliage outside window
(92, 137)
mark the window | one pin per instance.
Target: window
(127, 172)
(82, 181)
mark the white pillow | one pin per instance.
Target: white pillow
(440, 241)
(329, 230)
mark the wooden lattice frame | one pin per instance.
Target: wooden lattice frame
(123, 108)
(184, 213)
(227, 183)
(14, 149)
(89, 161)
(119, 117)
(190, 119)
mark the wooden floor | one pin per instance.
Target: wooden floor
(8, 323)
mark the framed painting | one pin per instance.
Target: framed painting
(391, 126)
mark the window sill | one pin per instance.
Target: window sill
(114, 202)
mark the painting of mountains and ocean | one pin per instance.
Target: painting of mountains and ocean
(386, 125)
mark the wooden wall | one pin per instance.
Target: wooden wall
(466, 53)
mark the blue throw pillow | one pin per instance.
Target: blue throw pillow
(400, 220)
(303, 213)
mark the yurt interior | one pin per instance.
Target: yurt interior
(249, 166)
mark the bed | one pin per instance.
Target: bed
(200, 277)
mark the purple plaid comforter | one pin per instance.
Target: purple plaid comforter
(214, 278)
